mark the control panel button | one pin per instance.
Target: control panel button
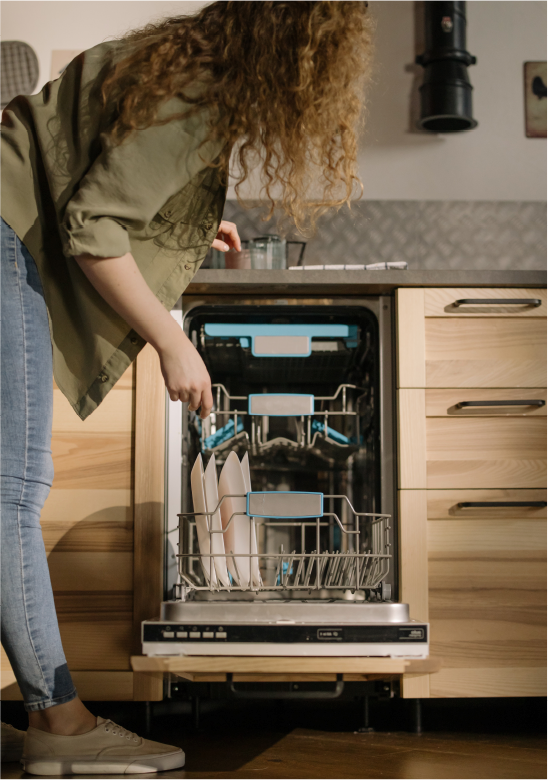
(208, 635)
(182, 634)
(168, 634)
(220, 635)
(195, 635)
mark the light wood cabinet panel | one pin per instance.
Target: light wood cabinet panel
(489, 681)
(443, 403)
(97, 644)
(444, 504)
(486, 452)
(486, 565)
(88, 606)
(412, 439)
(113, 417)
(413, 559)
(92, 460)
(112, 571)
(476, 536)
(410, 337)
(440, 302)
(148, 585)
(496, 352)
(519, 571)
(77, 520)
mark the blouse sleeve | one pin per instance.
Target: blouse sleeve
(129, 183)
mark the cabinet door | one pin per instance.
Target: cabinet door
(487, 591)
(471, 425)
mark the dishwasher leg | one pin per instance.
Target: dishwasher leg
(196, 712)
(416, 716)
(148, 717)
(365, 728)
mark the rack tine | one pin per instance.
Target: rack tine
(323, 562)
(309, 570)
(288, 570)
(299, 571)
(329, 570)
(277, 572)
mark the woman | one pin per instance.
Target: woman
(113, 186)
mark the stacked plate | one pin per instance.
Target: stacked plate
(226, 536)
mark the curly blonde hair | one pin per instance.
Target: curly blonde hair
(284, 83)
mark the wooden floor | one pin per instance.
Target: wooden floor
(462, 739)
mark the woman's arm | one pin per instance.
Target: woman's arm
(119, 281)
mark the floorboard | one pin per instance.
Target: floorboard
(482, 738)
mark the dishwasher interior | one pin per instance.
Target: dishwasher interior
(304, 392)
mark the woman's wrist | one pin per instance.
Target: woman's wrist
(167, 336)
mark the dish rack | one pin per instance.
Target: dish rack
(310, 424)
(326, 572)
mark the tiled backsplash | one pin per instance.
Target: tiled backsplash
(503, 235)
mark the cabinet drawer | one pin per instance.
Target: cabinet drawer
(488, 352)
(449, 302)
(474, 402)
(485, 452)
(448, 505)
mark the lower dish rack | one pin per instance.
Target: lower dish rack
(363, 567)
(311, 600)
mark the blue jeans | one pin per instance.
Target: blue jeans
(30, 633)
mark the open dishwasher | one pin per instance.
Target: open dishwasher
(303, 393)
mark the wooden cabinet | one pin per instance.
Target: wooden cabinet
(102, 526)
(470, 562)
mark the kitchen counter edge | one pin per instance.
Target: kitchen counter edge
(224, 282)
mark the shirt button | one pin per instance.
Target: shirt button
(103, 377)
(187, 268)
(168, 213)
(133, 340)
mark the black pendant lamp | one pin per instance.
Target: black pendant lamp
(446, 93)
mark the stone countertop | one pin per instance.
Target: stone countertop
(242, 282)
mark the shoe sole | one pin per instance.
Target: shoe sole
(79, 766)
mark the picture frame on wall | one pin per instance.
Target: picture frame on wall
(535, 99)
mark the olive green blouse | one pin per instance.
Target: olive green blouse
(67, 190)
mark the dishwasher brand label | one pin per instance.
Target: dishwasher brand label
(411, 633)
(330, 634)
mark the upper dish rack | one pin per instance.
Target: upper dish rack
(363, 568)
(310, 426)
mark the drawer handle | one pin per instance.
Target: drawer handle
(496, 504)
(534, 402)
(498, 302)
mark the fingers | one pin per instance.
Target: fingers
(220, 245)
(207, 403)
(227, 237)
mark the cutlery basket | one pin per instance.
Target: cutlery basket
(309, 521)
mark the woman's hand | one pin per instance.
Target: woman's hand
(185, 375)
(227, 238)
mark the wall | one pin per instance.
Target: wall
(495, 161)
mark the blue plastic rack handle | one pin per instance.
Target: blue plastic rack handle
(301, 334)
(281, 505)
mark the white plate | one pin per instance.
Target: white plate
(231, 482)
(255, 573)
(217, 539)
(199, 501)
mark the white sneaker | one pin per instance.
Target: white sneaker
(12, 743)
(106, 750)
